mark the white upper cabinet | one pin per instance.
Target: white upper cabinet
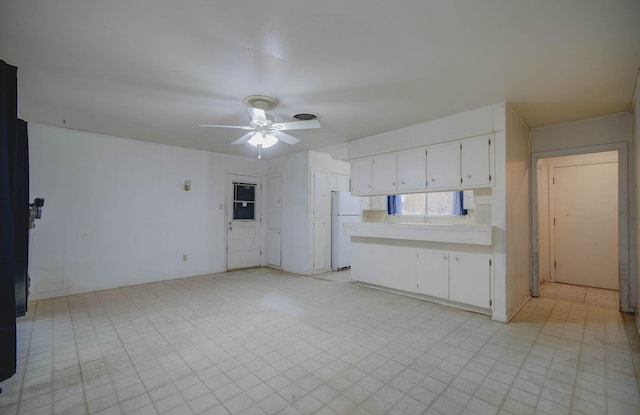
(412, 170)
(475, 156)
(384, 173)
(443, 166)
(340, 183)
(361, 176)
(454, 165)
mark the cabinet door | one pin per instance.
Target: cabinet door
(384, 174)
(342, 183)
(443, 166)
(433, 273)
(320, 198)
(412, 170)
(475, 166)
(469, 279)
(361, 176)
(370, 263)
(274, 247)
(320, 256)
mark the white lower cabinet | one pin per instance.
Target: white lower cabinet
(469, 279)
(433, 273)
(456, 276)
(374, 267)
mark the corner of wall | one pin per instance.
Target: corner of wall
(635, 200)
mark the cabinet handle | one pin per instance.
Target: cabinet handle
(393, 184)
(457, 259)
(403, 182)
(468, 176)
(433, 179)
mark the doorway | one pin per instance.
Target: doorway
(244, 222)
(576, 214)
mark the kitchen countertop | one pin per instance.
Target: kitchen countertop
(431, 232)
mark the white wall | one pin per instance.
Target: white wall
(465, 124)
(116, 212)
(517, 212)
(613, 132)
(635, 201)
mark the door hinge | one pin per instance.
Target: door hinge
(490, 263)
(461, 180)
(261, 252)
(554, 264)
(426, 152)
(489, 177)
(553, 181)
(460, 146)
(260, 219)
(490, 302)
(554, 221)
(489, 141)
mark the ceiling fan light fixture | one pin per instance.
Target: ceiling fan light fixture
(263, 140)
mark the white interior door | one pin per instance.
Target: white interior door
(243, 220)
(274, 221)
(586, 224)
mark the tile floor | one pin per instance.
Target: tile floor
(580, 294)
(263, 342)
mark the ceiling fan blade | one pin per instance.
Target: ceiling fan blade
(242, 127)
(244, 138)
(257, 115)
(286, 138)
(296, 125)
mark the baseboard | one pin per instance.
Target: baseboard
(518, 308)
(425, 297)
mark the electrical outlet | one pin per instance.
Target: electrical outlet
(184, 257)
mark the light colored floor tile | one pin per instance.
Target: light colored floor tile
(264, 342)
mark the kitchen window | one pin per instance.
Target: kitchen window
(427, 204)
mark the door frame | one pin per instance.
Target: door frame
(231, 177)
(624, 282)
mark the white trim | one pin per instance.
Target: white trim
(623, 218)
(518, 308)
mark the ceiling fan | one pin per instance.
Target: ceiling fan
(264, 132)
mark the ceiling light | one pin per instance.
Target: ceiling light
(262, 139)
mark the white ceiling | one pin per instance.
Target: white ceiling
(155, 69)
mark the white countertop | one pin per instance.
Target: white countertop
(431, 232)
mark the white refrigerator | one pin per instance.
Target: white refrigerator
(344, 209)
